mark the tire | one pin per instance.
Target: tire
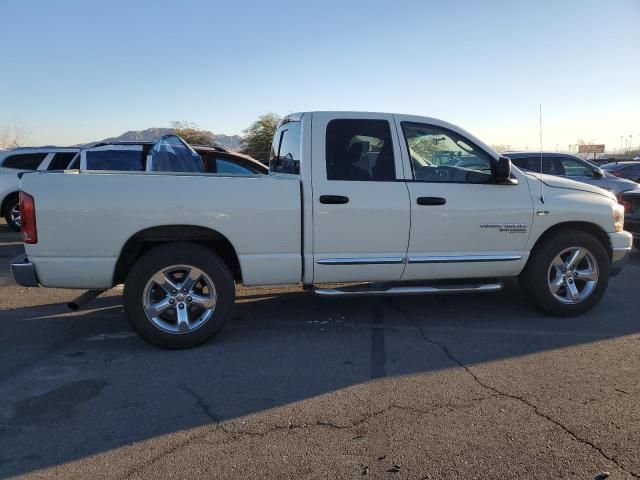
(146, 290)
(541, 274)
(9, 213)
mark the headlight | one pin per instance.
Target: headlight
(618, 217)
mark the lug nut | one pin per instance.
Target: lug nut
(184, 289)
(171, 301)
(173, 291)
(181, 306)
(189, 299)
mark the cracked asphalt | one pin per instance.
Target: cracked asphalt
(295, 386)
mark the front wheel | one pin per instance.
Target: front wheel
(567, 274)
(178, 295)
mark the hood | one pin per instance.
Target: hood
(624, 181)
(561, 182)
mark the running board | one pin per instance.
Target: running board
(408, 290)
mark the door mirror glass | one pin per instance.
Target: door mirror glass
(502, 170)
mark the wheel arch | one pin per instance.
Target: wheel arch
(587, 227)
(144, 240)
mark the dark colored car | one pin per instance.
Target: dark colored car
(218, 160)
(629, 170)
(571, 167)
(631, 203)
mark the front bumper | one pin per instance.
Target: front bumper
(23, 271)
(620, 247)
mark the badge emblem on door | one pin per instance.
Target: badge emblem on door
(506, 227)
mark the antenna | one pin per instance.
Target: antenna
(541, 164)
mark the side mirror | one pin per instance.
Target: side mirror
(502, 171)
(598, 173)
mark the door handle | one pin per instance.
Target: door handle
(334, 199)
(431, 201)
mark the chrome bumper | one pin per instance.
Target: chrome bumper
(620, 247)
(23, 271)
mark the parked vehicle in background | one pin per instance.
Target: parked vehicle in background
(572, 167)
(631, 203)
(350, 197)
(12, 162)
(629, 170)
(161, 156)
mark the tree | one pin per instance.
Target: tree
(12, 136)
(256, 139)
(192, 134)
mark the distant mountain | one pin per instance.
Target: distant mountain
(150, 134)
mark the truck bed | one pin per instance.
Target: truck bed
(72, 207)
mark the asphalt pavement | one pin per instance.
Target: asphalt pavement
(296, 386)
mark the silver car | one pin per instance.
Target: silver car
(574, 168)
(26, 159)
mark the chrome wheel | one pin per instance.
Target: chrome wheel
(179, 299)
(14, 215)
(573, 275)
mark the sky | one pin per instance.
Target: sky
(73, 71)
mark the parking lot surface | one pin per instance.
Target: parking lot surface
(295, 386)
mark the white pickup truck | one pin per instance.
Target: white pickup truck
(384, 203)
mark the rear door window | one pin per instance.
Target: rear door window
(359, 150)
(24, 161)
(61, 161)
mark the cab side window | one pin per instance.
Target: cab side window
(441, 155)
(359, 150)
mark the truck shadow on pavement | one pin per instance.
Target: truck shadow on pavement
(75, 385)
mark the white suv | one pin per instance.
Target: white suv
(12, 162)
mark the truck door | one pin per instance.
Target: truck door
(463, 223)
(360, 209)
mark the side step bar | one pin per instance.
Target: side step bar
(408, 290)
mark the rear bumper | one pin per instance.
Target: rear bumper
(621, 246)
(23, 271)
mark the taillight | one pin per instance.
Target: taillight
(28, 218)
(628, 206)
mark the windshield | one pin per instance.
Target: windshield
(611, 167)
(172, 154)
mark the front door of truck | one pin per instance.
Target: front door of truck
(360, 209)
(463, 223)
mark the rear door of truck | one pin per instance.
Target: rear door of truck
(360, 201)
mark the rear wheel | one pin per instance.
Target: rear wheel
(11, 213)
(178, 295)
(567, 274)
